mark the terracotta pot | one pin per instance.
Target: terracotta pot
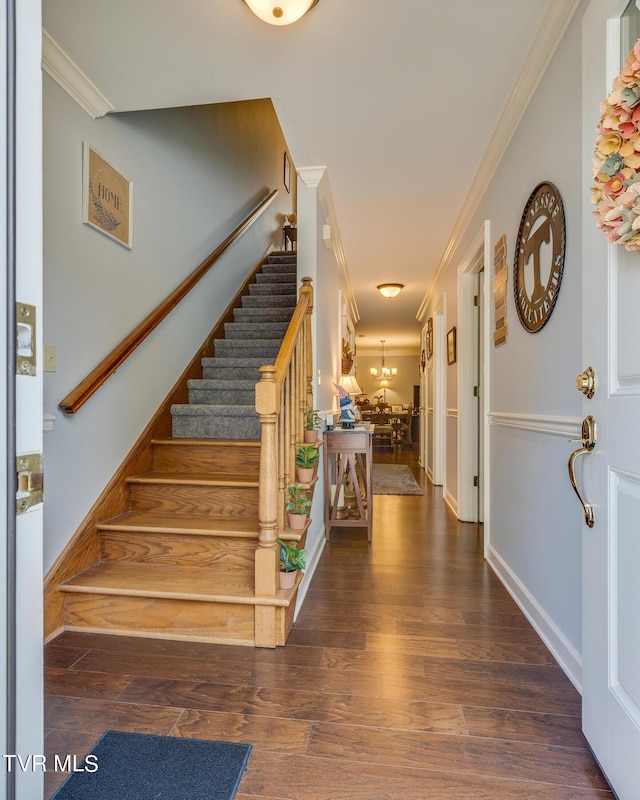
(297, 521)
(288, 579)
(305, 474)
(310, 436)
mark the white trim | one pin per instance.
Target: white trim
(547, 39)
(312, 175)
(563, 651)
(567, 427)
(451, 501)
(72, 80)
(468, 378)
(312, 563)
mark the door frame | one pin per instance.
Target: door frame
(471, 341)
(440, 393)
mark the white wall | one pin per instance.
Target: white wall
(535, 522)
(196, 173)
(322, 261)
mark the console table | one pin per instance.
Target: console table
(347, 454)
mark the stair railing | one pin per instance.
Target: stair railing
(283, 394)
(94, 380)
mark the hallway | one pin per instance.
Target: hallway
(410, 673)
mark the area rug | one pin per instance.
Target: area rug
(134, 766)
(394, 479)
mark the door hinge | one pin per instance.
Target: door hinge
(476, 480)
(29, 481)
(476, 391)
(476, 300)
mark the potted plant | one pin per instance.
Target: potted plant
(298, 505)
(307, 456)
(291, 561)
(312, 423)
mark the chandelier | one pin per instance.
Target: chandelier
(385, 374)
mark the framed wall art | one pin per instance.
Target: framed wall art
(451, 346)
(429, 337)
(287, 172)
(106, 198)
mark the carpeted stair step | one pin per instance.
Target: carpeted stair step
(282, 257)
(269, 301)
(215, 422)
(221, 392)
(267, 349)
(242, 369)
(249, 330)
(279, 288)
(260, 315)
(272, 278)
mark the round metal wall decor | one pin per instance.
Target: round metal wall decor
(539, 259)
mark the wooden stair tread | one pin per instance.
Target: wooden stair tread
(157, 522)
(208, 584)
(195, 479)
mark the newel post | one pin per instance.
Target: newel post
(308, 344)
(268, 551)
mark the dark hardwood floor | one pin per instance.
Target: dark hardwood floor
(409, 673)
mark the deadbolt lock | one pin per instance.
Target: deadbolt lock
(587, 383)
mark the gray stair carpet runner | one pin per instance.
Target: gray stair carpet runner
(222, 403)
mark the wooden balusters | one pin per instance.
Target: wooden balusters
(282, 396)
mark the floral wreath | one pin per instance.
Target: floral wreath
(616, 158)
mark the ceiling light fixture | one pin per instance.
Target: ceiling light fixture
(385, 374)
(390, 289)
(280, 12)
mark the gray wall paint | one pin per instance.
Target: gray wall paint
(196, 173)
(535, 519)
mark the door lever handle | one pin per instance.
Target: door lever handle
(588, 441)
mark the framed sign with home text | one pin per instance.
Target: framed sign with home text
(107, 197)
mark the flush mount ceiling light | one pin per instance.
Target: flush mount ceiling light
(280, 12)
(390, 289)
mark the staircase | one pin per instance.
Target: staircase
(180, 562)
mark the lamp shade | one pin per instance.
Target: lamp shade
(350, 384)
(280, 12)
(390, 289)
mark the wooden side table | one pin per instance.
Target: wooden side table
(347, 454)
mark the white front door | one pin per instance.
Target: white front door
(610, 478)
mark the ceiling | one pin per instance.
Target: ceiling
(400, 101)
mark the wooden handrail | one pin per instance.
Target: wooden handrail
(94, 380)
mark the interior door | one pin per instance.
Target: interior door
(611, 473)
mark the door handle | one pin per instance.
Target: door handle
(588, 441)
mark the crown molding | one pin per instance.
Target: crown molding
(552, 29)
(71, 79)
(312, 175)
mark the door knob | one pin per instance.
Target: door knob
(587, 383)
(588, 441)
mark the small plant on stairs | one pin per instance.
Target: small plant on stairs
(291, 561)
(307, 457)
(298, 505)
(312, 423)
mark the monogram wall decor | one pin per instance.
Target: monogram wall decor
(539, 257)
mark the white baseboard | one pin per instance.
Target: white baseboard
(312, 562)
(563, 651)
(451, 501)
